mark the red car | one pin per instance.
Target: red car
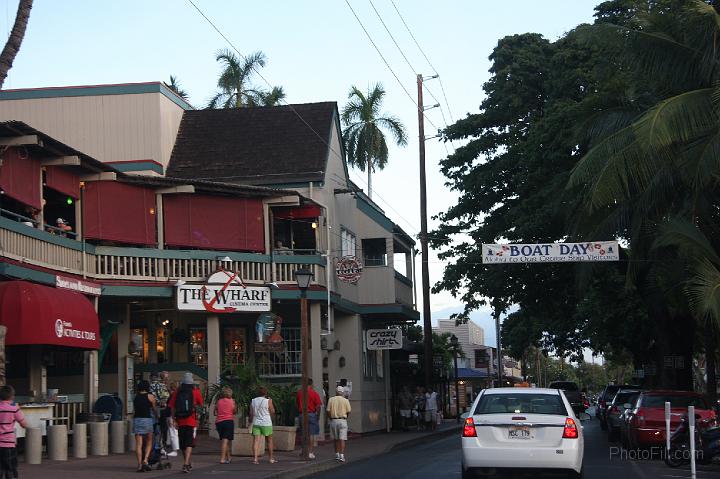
(646, 422)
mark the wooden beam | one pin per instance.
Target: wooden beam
(176, 190)
(283, 200)
(21, 140)
(105, 175)
(73, 160)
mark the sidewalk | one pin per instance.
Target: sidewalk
(206, 456)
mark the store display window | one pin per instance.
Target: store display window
(198, 346)
(234, 346)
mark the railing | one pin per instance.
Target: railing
(403, 289)
(69, 410)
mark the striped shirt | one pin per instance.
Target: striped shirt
(10, 413)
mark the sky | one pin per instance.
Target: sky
(316, 51)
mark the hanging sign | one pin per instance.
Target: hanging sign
(224, 293)
(550, 252)
(383, 338)
(267, 334)
(79, 285)
(348, 269)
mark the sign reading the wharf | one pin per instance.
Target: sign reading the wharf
(224, 293)
(383, 338)
(550, 252)
(348, 269)
(85, 287)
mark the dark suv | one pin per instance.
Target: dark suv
(606, 398)
(572, 393)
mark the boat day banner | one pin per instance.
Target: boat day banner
(550, 252)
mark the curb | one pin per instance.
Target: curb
(322, 466)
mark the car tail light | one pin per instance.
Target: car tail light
(614, 409)
(570, 431)
(469, 429)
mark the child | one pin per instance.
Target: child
(9, 414)
(225, 410)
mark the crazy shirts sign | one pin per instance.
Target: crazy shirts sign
(224, 293)
(550, 252)
(383, 338)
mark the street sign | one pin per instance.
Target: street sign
(383, 338)
(550, 252)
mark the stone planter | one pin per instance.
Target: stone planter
(243, 442)
(284, 438)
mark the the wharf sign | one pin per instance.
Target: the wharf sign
(224, 292)
(550, 252)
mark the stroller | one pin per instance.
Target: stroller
(158, 457)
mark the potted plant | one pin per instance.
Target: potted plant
(284, 429)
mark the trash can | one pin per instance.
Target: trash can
(109, 404)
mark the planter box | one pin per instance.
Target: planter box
(243, 442)
(284, 438)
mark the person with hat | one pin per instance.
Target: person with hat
(159, 389)
(63, 227)
(183, 406)
(338, 410)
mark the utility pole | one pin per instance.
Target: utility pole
(500, 369)
(427, 324)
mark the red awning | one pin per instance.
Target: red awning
(36, 314)
(296, 212)
(20, 177)
(60, 179)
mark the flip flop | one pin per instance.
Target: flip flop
(273, 461)
(255, 462)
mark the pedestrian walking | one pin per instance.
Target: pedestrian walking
(183, 405)
(338, 409)
(419, 408)
(172, 440)
(314, 406)
(431, 407)
(406, 402)
(225, 410)
(261, 412)
(145, 412)
(10, 414)
(159, 389)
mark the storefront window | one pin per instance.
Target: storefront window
(138, 346)
(369, 360)
(234, 346)
(286, 363)
(198, 346)
(161, 343)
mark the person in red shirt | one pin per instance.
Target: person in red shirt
(183, 406)
(314, 408)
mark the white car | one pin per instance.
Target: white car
(522, 428)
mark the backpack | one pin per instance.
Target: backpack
(184, 402)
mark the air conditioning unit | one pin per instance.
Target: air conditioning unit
(327, 342)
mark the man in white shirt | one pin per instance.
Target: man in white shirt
(431, 407)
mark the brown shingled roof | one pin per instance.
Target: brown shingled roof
(256, 146)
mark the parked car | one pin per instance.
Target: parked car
(572, 393)
(646, 422)
(623, 401)
(606, 396)
(522, 428)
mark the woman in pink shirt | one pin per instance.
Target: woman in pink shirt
(9, 415)
(225, 410)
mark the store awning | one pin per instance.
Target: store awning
(296, 212)
(36, 314)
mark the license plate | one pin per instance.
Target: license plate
(520, 432)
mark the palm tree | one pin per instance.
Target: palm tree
(363, 137)
(234, 83)
(657, 168)
(174, 85)
(12, 46)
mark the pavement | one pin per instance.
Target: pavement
(206, 459)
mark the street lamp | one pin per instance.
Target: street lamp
(303, 277)
(454, 345)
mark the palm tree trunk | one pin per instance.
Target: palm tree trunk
(12, 46)
(710, 362)
(369, 168)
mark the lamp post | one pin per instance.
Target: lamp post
(454, 345)
(303, 277)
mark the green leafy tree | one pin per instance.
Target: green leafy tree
(174, 85)
(364, 139)
(234, 83)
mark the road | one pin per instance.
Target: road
(441, 459)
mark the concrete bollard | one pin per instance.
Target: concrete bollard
(33, 445)
(99, 438)
(57, 442)
(117, 437)
(80, 441)
(130, 436)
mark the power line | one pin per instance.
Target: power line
(232, 45)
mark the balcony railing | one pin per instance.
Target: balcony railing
(403, 289)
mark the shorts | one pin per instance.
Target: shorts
(226, 429)
(338, 429)
(143, 425)
(405, 413)
(431, 415)
(261, 430)
(186, 436)
(8, 463)
(313, 424)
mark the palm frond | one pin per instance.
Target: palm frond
(703, 292)
(395, 127)
(690, 242)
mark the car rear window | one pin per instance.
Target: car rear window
(539, 403)
(625, 397)
(564, 385)
(675, 401)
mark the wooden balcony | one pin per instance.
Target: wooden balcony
(403, 290)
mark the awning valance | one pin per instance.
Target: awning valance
(296, 212)
(36, 314)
